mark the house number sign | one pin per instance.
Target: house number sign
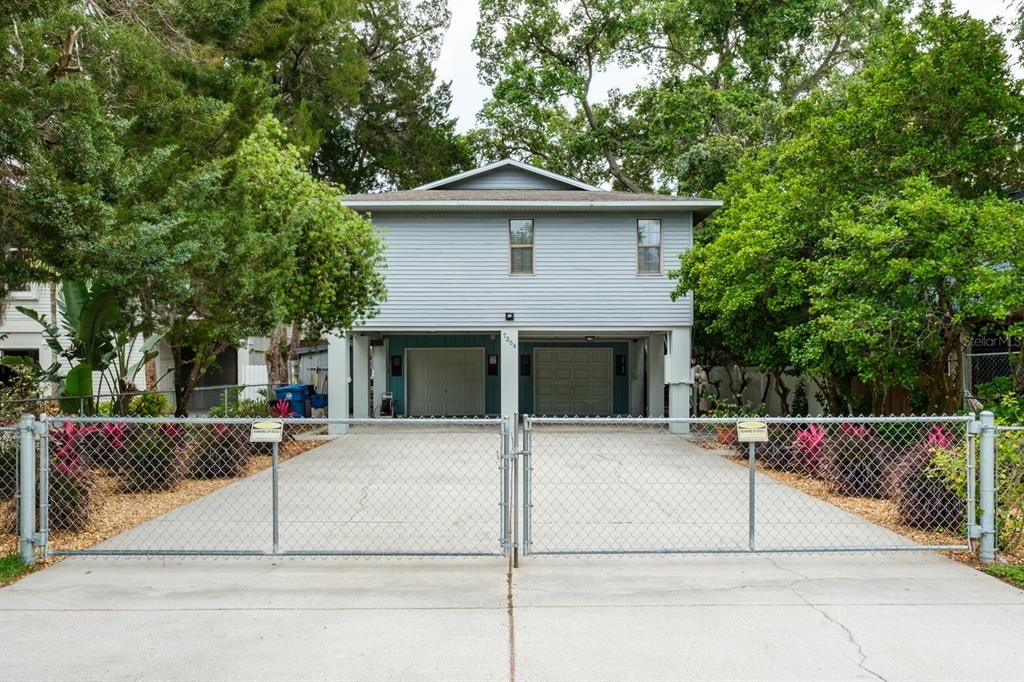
(508, 340)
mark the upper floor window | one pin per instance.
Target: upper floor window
(26, 293)
(520, 241)
(648, 246)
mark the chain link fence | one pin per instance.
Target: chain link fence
(10, 447)
(452, 487)
(199, 486)
(1010, 489)
(597, 486)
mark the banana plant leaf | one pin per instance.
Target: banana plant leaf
(78, 386)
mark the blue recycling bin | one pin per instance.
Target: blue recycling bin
(296, 395)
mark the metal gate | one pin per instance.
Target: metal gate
(402, 487)
(674, 486)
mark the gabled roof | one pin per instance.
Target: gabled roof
(512, 185)
(506, 163)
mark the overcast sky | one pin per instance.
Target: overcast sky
(457, 62)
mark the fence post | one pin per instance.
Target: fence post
(43, 429)
(275, 511)
(515, 490)
(527, 454)
(504, 459)
(751, 497)
(27, 490)
(987, 471)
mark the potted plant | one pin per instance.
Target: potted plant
(725, 434)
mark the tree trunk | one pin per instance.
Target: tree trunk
(782, 392)
(293, 346)
(182, 389)
(277, 361)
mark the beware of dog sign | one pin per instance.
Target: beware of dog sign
(752, 431)
(266, 431)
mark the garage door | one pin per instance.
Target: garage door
(445, 382)
(573, 381)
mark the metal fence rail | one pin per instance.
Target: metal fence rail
(637, 486)
(163, 486)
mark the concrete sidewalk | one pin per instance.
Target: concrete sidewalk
(823, 617)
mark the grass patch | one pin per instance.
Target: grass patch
(1011, 573)
(11, 568)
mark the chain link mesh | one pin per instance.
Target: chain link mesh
(10, 447)
(397, 487)
(623, 486)
(1010, 489)
(152, 486)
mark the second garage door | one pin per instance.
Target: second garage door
(573, 381)
(445, 382)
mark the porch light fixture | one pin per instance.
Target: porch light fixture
(588, 339)
(510, 317)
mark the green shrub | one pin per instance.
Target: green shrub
(151, 457)
(150, 405)
(245, 409)
(949, 467)
(219, 451)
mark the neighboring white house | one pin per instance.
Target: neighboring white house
(513, 290)
(21, 335)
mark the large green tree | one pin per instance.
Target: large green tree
(719, 74)
(123, 124)
(863, 246)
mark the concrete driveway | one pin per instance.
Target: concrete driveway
(857, 617)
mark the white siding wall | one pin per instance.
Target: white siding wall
(452, 272)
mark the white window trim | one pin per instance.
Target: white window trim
(531, 246)
(29, 294)
(660, 245)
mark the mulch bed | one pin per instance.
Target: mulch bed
(118, 511)
(880, 511)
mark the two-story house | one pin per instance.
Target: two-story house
(512, 289)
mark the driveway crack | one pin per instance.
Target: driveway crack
(511, 623)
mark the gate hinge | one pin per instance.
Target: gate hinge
(511, 455)
(974, 532)
(974, 427)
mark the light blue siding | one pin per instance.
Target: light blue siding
(509, 177)
(451, 272)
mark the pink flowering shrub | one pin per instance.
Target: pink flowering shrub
(809, 447)
(281, 409)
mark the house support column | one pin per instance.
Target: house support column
(656, 375)
(636, 378)
(509, 366)
(360, 376)
(380, 376)
(680, 380)
(337, 382)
